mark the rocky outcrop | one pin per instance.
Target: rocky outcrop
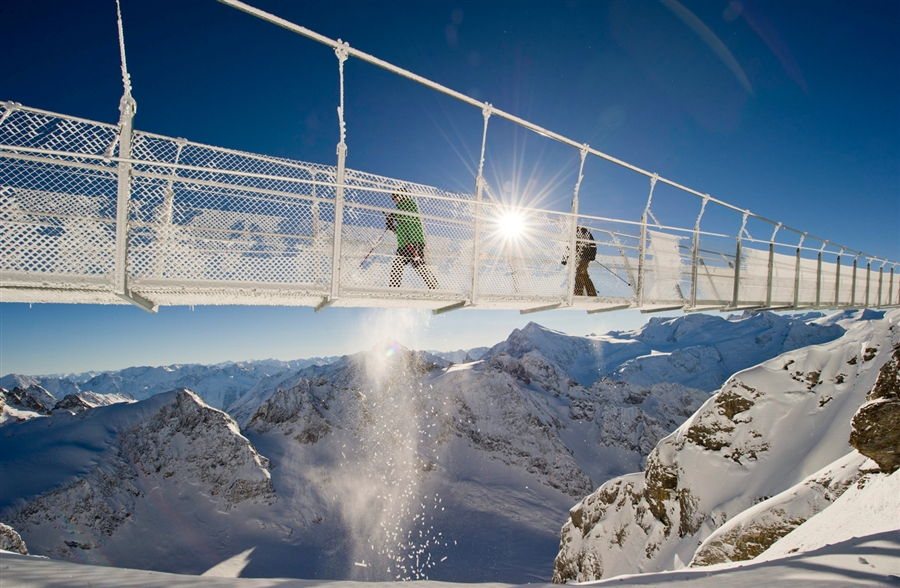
(72, 403)
(762, 434)
(752, 532)
(10, 540)
(33, 398)
(876, 426)
(296, 412)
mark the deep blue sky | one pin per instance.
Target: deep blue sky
(790, 109)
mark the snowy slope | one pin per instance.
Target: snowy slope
(870, 506)
(751, 532)
(867, 561)
(695, 350)
(767, 429)
(143, 485)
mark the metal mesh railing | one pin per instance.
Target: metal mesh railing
(214, 226)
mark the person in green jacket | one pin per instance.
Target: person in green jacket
(410, 240)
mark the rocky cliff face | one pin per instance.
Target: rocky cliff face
(876, 426)
(21, 404)
(767, 429)
(522, 412)
(10, 540)
(120, 459)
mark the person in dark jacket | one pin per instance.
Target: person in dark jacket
(410, 241)
(585, 253)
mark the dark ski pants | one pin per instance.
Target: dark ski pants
(583, 280)
(413, 253)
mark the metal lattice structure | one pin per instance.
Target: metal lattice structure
(99, 213)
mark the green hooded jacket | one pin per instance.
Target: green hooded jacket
(408, 228)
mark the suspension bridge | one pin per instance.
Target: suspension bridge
(102, 213)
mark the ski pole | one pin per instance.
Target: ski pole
(611, 271)
(372, 249)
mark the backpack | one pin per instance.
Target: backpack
(586, 250)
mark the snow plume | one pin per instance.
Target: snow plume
(379, 481)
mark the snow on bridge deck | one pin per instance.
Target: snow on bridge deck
(98, 213)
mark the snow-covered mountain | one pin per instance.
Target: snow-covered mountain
(461, 355)
(765, 454)
(143, 484)
(395, 464)
(697, 350)
(219, 385)
(22, 404)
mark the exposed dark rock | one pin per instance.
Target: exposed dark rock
(10, 540)
(876, 425)
(72, 403)
(25, 398)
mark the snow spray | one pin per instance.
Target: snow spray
(382, 501)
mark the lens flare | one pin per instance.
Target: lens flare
(511, 224)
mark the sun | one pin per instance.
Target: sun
(511, 224)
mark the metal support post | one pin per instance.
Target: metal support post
(797, 273)
(479, 194)
(891, 288)
(127, 109)
(837, 281)
(341, 51)
(853, 287)
(735, 298)
(880, 279)
(167, 212)
(573, 234)
(695, 255)
(642, 246)
(314, 212)
(819, 281)
(771, 266)
(642, 256)
(735, 294)
(868, 281)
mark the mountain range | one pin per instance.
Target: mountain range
(769, 451)
(389, 464)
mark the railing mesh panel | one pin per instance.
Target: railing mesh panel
(208, 225)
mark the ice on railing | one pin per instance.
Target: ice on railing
(664, 268)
